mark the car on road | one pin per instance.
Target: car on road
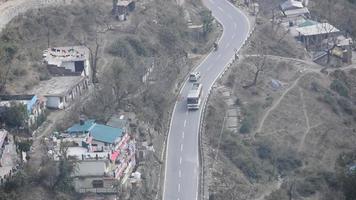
(194, 76)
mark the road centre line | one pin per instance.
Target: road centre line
(181, 147)
(180, 174)
(183, 134)
(180, 160)
(185, 122)
(178, 187)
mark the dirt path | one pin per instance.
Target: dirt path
(271, 188)
(302, 141)
(276, 104)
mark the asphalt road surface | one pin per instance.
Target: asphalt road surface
(182, 158)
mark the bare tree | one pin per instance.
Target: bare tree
(260, 68)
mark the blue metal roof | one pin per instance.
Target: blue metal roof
(99, 132)
(105, 133)
(77, 128)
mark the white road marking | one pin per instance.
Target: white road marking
(186, 113)
(180, 160)
(183, 134)
(220, 9)
(180, 174)
(181, 147)
(178, 187)
(185, 123)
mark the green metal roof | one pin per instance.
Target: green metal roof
(308, 22)
(78, 128)
(105, 133)
(99, 132)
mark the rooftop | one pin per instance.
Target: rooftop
(57, 55)
(195, 90)
(308, 22)
(296, 12)
(99, 132)
(117, 122)
(105, 133)
(57, 86)
(317, 29)
(124, 3)
(16, 97)
(81, 128)
(90, 168)
(291, 4)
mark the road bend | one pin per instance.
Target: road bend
(182, 158)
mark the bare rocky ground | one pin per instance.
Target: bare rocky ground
(293, 132)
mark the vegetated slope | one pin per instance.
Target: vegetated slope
(293, 125)
(309, 122)
(155, 31)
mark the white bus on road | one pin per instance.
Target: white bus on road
(194, 96)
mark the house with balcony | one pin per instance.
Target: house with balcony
(105, 155)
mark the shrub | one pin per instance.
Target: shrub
(138, 46)
(245, 127)
(339, 87)
(345, 105)
(315, 87)
(264, 151)
(268, 102)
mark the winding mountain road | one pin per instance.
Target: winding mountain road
(182, 157)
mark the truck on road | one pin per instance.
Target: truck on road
(194, 96)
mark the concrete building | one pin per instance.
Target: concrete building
(106, 156)
(293, 12)
(68, 61)
(123, 7)
(35, 106)
(60, 91)
(312, 35)
(94, 176)
(98, 137)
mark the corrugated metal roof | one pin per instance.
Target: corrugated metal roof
(299, 11)
(105, 133)
(78, 128)
(291, 4)
(317, 29)
(308, 22)
(99, 132)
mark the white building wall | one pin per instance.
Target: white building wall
(54, 102)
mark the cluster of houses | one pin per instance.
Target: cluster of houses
(105, 154)
(327, 44)
(69, 68)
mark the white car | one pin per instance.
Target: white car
(194, 76)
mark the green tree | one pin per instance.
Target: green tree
(207, 19)
(15, 116)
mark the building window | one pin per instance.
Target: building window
(98, 183)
